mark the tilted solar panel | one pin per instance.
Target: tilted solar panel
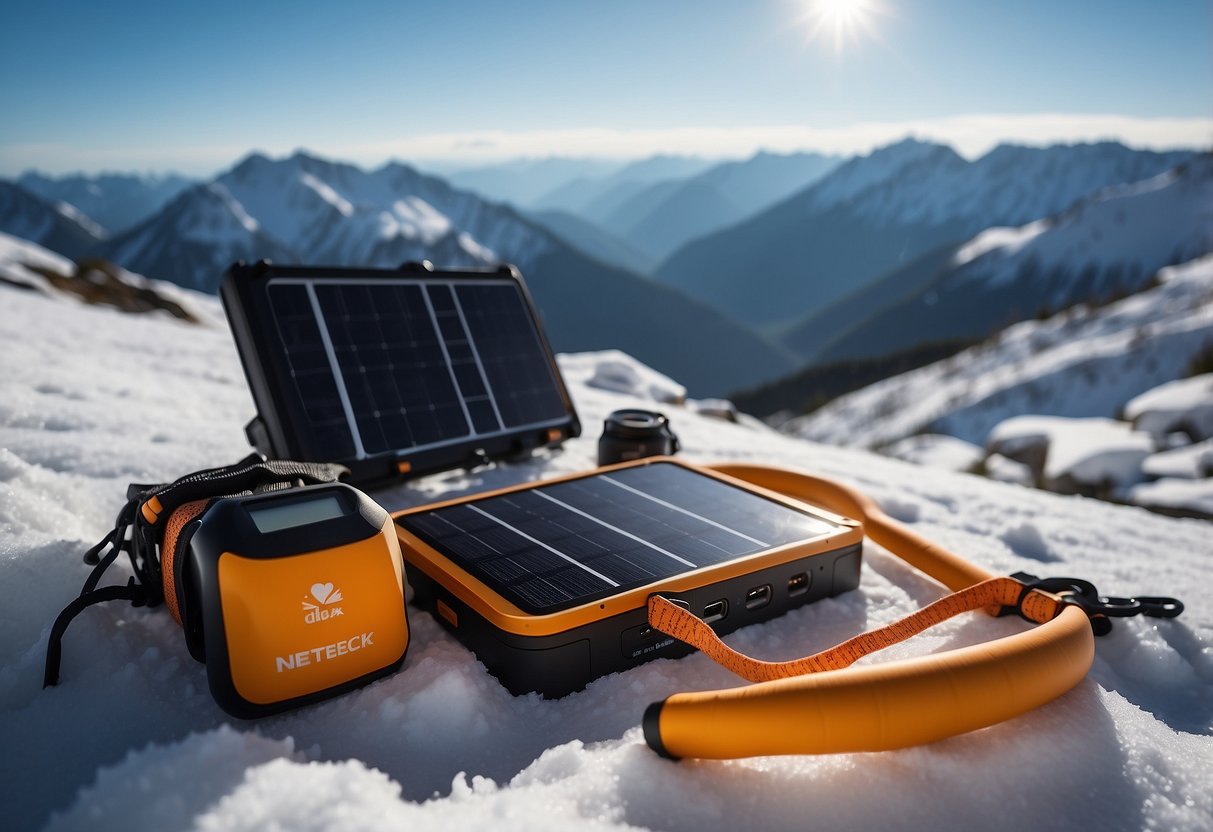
(552, 547)
(395, 371)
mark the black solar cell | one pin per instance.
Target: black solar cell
(405, 364)
(500, 326)
(555, 546)
(310, 369)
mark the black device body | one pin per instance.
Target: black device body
(282, 429)
(559, 651)
(635, 434)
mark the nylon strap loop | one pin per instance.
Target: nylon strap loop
(990, 595)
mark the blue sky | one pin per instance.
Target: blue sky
(156, 85)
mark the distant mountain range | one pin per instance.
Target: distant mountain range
(524, 181)
(307, 209)
(879, 213)
(786, 261)
(115, 201)
(654, 206)
(596, 197)
(595, 240)
(662, 217)
(1108, 244)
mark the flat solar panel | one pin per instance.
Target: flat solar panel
(553, 547)
(406, 364)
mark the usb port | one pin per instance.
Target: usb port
(798, 584)
(715, 611)
(758, 597)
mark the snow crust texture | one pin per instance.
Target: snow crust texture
(91, 399)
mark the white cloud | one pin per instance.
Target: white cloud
(972, 135)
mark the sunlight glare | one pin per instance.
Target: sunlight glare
(841, 21)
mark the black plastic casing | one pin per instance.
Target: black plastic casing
(226, 526)
(279, 433)
(563, 663)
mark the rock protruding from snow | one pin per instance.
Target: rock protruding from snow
(1183, 497)
(1000, 468)
(1188, 462)
(1097, 457)
(618, 372)
(1185, 405)
(936, 451)
(28, 265)
(24, 263)
(716, 408)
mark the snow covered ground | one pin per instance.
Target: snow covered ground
(91, 399)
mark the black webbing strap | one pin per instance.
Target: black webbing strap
(54, 648)
(253, 474)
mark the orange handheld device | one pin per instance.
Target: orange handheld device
(547, 583)
(288, 592)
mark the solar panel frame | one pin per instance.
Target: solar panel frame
(294, 425)
(555, 652)
(515, 540)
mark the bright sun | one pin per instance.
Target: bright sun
(841, 20)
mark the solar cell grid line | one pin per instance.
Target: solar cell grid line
(623, 532)
(389, 352)
(464, 366)
(446, 354)
(419, 378)
(476, 356)
(388, 365)
(554, 551)
(733, 510)
(309, 367)
(681, 533)
(514, 362)
(330, 351)
(659, 501)
(340, 322)
(514, 570)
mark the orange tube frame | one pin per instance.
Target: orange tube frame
(879, 707)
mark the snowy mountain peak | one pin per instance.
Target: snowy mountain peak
(1121, 234)
(857, 175)
(56, 226)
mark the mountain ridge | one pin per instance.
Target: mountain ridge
(308, 209)
(876, 213)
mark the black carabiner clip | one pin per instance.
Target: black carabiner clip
(1099, 608)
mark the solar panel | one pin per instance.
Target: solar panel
(376, 368)
(553, 547)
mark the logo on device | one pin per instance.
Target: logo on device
(326, 595)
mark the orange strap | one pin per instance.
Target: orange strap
(990, 595)
(177, 521)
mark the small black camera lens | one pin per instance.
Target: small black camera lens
(635, 434)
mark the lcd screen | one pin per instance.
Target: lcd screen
(276, 517)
